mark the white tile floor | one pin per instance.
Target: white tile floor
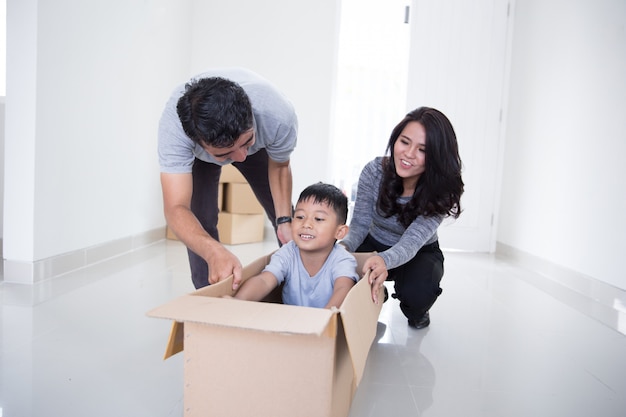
(499, 345)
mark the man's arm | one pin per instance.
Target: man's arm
(177, 190)
(280, 179)
(341, 289)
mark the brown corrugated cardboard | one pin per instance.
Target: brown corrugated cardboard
(255, 359)
(231, 174)
(220, 196)
(169, 234)
(240, 228)
(240, 199)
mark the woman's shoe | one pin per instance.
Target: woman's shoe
(424, 321)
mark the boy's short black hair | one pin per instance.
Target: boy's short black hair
(328, 194)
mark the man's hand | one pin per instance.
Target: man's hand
(177, 191)
(222, 263)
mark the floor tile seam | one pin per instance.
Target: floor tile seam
(561, 292)
(465, 389)
(81, 285)
(571, 289)
(601, 381)
(31, 342)
(414, 397)
(554, 278)
(512, 310)
(383, 384)
(573, 360)
(547, 286)
(573, 363)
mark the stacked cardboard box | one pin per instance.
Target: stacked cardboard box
(252, 359)
(241, 218)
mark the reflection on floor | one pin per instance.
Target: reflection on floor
(501, 343)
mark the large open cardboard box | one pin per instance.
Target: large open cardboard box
(266, 359)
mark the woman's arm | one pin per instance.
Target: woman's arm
(366, 197)
(414, 237)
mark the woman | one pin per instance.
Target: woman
(401, 200)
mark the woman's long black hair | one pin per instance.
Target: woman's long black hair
(439, 188)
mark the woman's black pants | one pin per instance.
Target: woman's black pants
(416, 283)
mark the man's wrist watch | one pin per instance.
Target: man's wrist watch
(283, 219)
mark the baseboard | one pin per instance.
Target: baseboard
(31, 272)
(589, 295)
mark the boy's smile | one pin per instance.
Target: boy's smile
(314, 226)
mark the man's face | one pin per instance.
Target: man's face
(236, 153)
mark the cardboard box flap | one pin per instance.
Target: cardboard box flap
(360, 321)
(266, 317)
(292, 358)
(175, 343)
(225, 286)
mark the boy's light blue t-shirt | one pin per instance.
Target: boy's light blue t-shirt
(275, 124)
(300, 288)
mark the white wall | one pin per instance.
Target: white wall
(2, 112)
(86, 85)
(19, 145)
(86, 82)
(292, 44)
(564, 183)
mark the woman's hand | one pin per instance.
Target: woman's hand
(378, 274)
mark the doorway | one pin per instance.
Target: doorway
(372, 73)
(449, 54)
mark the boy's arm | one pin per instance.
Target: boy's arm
(257, 287)
(342, 286)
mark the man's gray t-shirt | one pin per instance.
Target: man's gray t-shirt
(275, 123)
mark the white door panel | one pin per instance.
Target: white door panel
(458, 62)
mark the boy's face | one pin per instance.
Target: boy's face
(315, 226)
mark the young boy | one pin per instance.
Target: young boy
(316, 271)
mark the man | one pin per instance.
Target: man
(221, 117)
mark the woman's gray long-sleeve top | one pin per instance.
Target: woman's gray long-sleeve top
(404, 242)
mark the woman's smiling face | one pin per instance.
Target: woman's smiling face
(409, 153)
